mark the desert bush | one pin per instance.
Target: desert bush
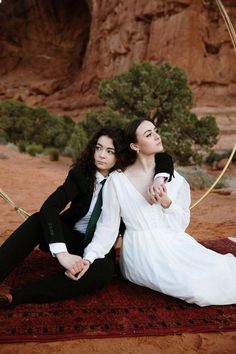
(14, 121)
(78, 141)
(3, 139)
(21, 146)
(34, 149)
(23, 125)
(57, 132)
(53, 153)
(161, 92)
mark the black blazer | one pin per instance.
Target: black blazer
(75, 190)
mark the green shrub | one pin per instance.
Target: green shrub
(78, 141)
(57, 132)
(15, 121)
(21, 146)
(161, 92)
(23, 125)
(53, 153)
(148, 90)
(34, 149)
(186, 139)
(3, 138)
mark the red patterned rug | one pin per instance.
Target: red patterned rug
(121, 309)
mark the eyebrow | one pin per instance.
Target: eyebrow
(106, 147)
(150, 130)
(147, 131)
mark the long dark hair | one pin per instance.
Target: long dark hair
(131, 137)
(86, 161)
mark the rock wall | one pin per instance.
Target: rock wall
(54, 53)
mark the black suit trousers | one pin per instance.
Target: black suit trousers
(29, 235)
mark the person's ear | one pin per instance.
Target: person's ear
(134, 147)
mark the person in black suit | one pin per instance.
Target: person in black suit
(64, 232)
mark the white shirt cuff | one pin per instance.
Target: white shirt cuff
(163, 174)
(57, 247)
(90, 256)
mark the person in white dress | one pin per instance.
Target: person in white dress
(156, 251)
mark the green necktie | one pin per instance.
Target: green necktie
(94, 217)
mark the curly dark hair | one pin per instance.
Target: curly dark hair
(86, 161)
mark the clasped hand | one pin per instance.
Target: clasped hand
(157, 193)
(75, 265)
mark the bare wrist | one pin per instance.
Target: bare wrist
(60, 253)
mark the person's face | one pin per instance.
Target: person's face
(104, 155)
(148, 140)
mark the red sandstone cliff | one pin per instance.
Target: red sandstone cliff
(54, 53)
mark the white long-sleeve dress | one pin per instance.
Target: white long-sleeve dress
(156, 252)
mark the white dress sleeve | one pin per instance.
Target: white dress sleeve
(107, 228)
(177, 216)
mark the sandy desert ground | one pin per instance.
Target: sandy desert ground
(28, 180)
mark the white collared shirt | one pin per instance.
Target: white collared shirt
(82, 224)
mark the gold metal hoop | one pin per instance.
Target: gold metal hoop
(217, 180)
(232, 34)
